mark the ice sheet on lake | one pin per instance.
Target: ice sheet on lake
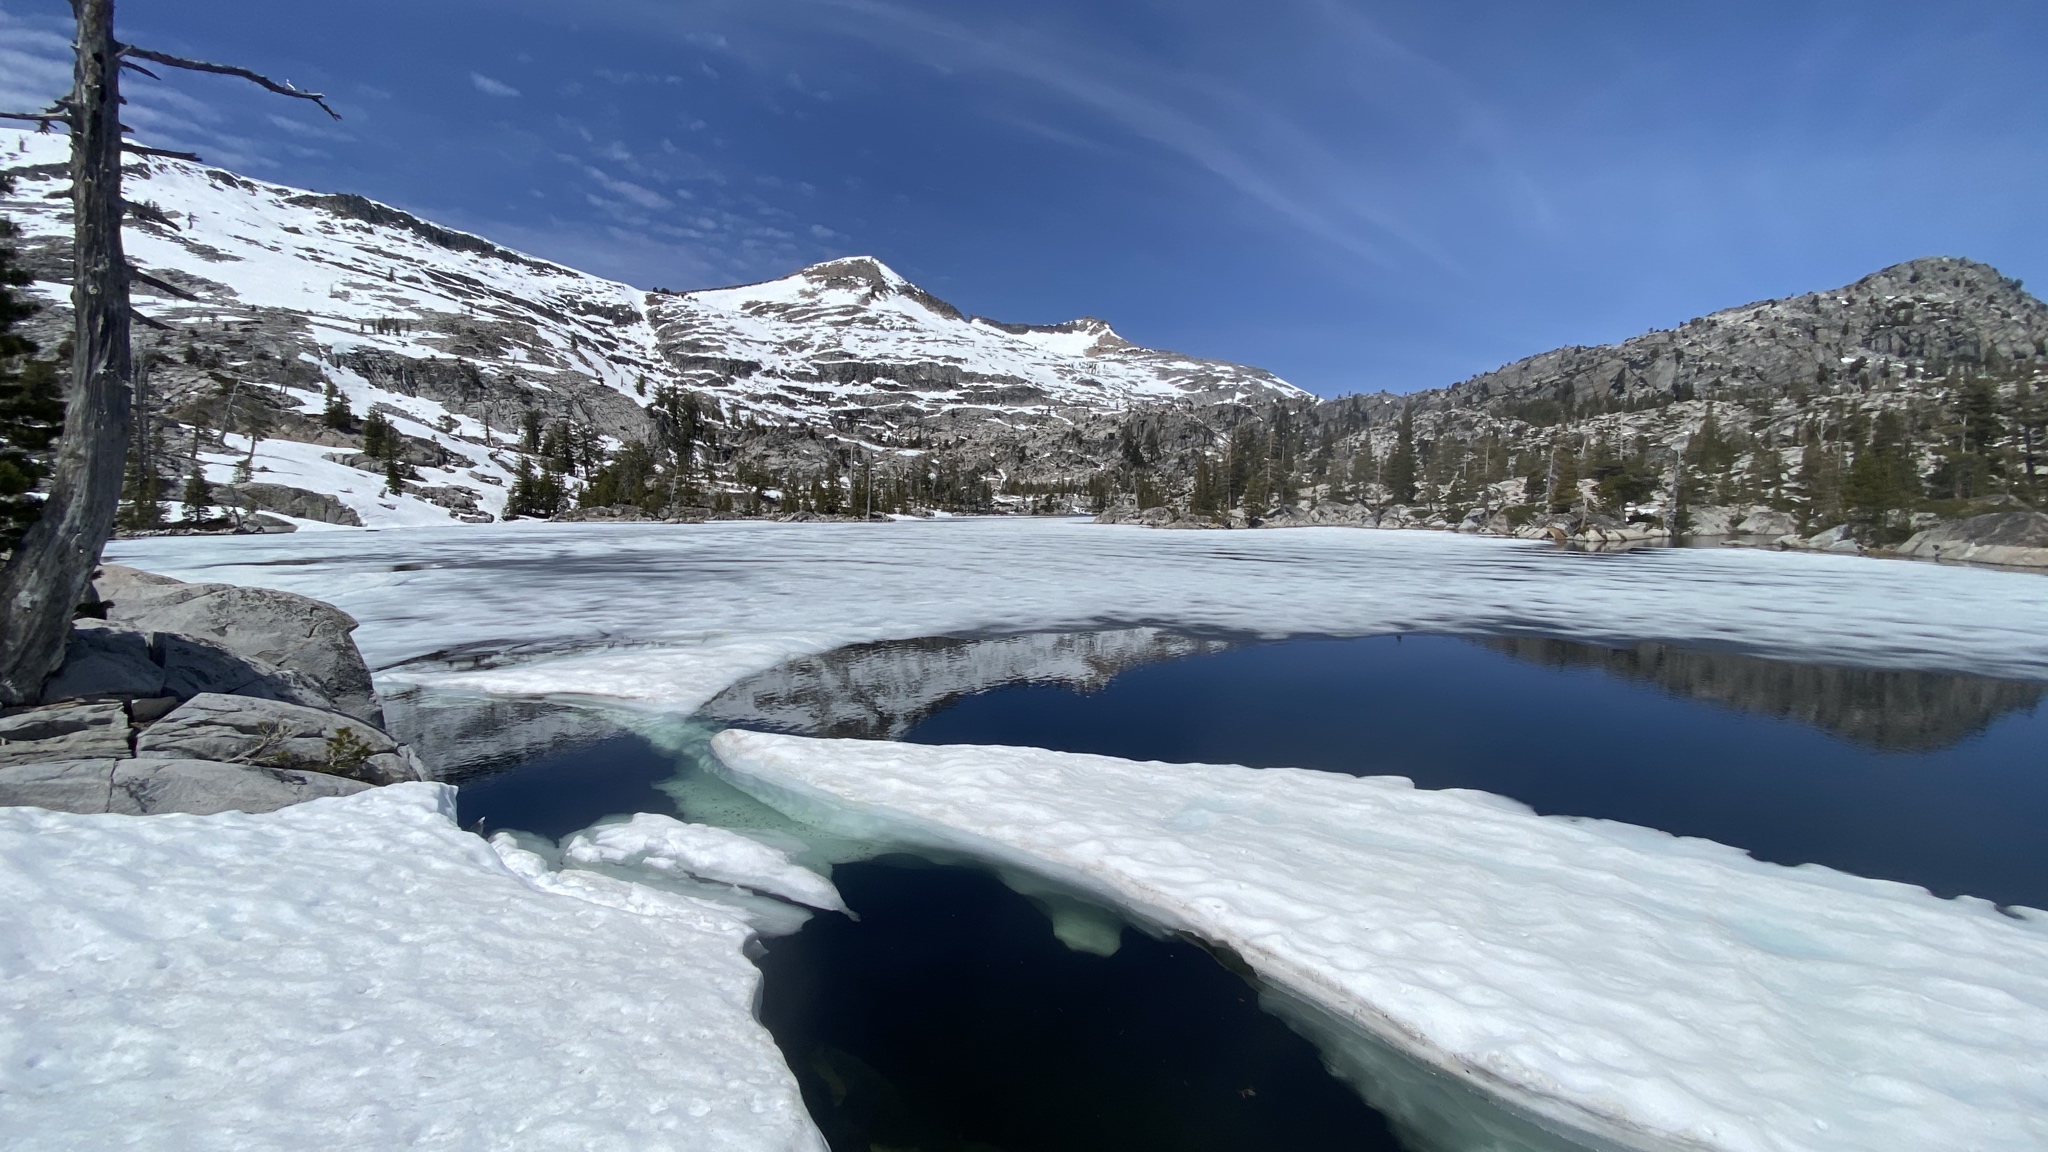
(664, 845)
(1662, 992)
(670, 615)
(357, 973)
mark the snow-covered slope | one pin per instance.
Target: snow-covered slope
(854, 334)
(1650, 991)
(455, 338)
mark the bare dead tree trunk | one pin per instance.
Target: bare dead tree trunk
(48, 573)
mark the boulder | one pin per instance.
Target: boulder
(280, 629)
(1840, 538)
(111, 661)
(245, 730)
(59, 785)
(193, 666)
(286, 500)
(1342, 514)
(2018, 538)
(74, 731)
(1716, 520)
(1768, 522)
(158, 787)
(203, 787)
(104, 661)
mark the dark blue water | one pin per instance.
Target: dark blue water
(948, 1019)
(568, 790)
(1936, 781)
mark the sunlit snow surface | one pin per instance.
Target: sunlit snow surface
(668, 615)
(357, 973)
(1671, 994)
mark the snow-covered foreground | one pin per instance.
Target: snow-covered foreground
(358, 973)
(668, 615)
(1656, 991)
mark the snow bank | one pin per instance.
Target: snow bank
(1610, 980)
(669, 615)
(357, 973)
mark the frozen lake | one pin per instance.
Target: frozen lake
(1876, 717)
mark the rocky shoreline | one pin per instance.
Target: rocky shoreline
(200, 698)
(2012, 539)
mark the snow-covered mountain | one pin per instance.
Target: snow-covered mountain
(456, 339)
(852, 334)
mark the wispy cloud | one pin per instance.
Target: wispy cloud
(630, 192)
(490, 87)
(1328, 185)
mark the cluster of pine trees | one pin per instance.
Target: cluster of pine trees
(31, 401)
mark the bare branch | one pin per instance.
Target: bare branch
(132, 66)
(137, 316)
(168, 289)
(40, 117)
(256, 78)
(140, 150)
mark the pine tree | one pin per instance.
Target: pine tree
(1364, 469)
(1400, 476)
(31, 406)
(381, 441)
(1882, 482)
(1564, 490)
(197, 496)
(1203, 501)
(335, 414)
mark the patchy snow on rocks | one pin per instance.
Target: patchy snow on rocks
(1611, 981)
(358, 973)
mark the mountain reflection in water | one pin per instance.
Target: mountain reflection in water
(1895, 711)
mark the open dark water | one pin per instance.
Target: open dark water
(948, 1018)
(1935, 780)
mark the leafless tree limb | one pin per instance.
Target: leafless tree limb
(39, 117)
(168, 289)
(256, 78)
(132, 66)
(137, 316)
(142, 150)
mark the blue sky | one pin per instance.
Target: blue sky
(1355, 195)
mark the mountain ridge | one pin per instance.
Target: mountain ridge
(513, 384)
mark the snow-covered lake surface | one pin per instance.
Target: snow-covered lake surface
(1613, 981)
(667, 616)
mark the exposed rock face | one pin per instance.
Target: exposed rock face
(288, 501)
(104, 660)
(111, 661)
(71, 731)
(1898, 711)
(1936, 311)
(151, 787)
(291, 632)
(2018, 538)
(241, 730)
(1768, 523)
(144, 721)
